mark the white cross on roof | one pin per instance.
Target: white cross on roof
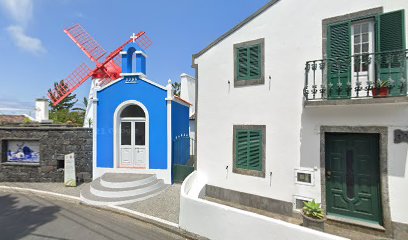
(133, 37)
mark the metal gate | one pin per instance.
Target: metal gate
(181, 158)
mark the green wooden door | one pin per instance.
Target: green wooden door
(352, 176)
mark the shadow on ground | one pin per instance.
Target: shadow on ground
(19, 221)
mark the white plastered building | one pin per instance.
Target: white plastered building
(280, 120)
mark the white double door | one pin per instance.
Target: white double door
(133, 144)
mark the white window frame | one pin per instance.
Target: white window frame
(116, 132)
(307, 171)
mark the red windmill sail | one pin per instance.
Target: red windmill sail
(107, 68)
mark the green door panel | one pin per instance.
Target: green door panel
(352, 176)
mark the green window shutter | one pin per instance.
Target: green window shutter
(241, 149)
(254, 61)
(249, 149)
(248, 61)
(242, 61)
(339, 48)
(391, 38)
(390, 28)
(255, 150)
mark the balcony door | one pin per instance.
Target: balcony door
(372, 50)
(363, 47)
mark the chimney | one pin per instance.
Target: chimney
(187, 91)
(41, 110)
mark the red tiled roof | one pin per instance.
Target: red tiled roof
(182, 100)
(11, 119)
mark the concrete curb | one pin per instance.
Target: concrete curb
(40, 192)
(158, 222)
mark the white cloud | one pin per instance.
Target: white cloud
(25, 42)
(20, 10)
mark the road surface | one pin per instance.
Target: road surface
(25, 216)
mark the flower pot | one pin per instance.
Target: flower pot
(381, 92)
(313, 223)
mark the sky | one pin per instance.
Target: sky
(35, 52)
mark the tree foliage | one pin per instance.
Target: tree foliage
(64, 112)
(66, 103)
(176, 88)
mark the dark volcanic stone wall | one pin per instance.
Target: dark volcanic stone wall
(55, 142)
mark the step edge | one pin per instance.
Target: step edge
(129, 193)
(129, 184)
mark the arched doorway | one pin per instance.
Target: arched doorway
(133, 137)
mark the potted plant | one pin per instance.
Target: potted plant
(313, 216)
(381, 89)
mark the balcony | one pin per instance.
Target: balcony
(379, 77)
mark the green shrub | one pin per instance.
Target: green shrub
(313, 210)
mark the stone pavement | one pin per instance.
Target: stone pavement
(165, 206)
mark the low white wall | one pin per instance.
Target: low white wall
(217, 221)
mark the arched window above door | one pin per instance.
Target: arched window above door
(133, 111)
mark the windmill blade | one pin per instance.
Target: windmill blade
(143, 40)
(111, 67)
(65, 87)
(85, 42)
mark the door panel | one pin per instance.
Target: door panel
(126, 159)
(126, 134)
(352, 176)
(140, 133)
(132, 144)
(140, 157)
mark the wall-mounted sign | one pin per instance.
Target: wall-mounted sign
(69, 171)
(400, 136)
(131, 80)
(23, 151)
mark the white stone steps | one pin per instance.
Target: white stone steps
(125, 180)
(88, 198)
(100, 190)
(121, 188)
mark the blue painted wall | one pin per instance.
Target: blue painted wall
(153, 98)
(180, 127)
(127, 59)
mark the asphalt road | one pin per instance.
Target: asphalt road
(32, 217)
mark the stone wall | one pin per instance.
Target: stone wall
(55, 142)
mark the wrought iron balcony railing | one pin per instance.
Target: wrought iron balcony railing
(359, 76)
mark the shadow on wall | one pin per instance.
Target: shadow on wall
(360, 116)
(19, 221)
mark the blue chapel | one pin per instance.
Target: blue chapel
(136, 122)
